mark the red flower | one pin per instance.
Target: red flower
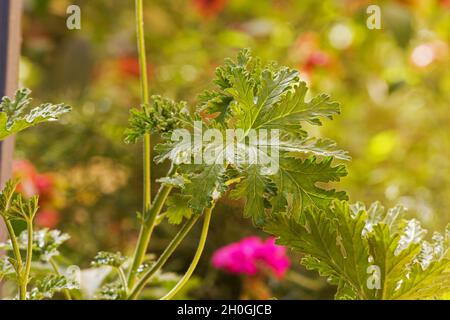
(316, 59)
(34, 183)
(209, 8)
(26, 172)
(129, 66)
(47, 218)
(44, 184)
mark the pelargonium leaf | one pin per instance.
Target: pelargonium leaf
(111, 259)
(15, 115)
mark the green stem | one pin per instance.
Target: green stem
(123, 280)
(56, 270)
(17, 255)
(14, 243)
(25, 278)
(146, 232)
(164, 257)
(198, 254)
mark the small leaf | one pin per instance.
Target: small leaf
(14, 118)
(45, 243)
(6, 268)
(178, 208)
(162, 116)
(176, 181)
(23, 209)
(49, 285)
(111, 291)
(104, 258)
(6, 196)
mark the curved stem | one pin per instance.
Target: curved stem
(17, 255)
(147, 197)
(14, 243)
(195, 260)
(164, 257)
(55, 268)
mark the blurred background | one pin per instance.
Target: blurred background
(393, 85)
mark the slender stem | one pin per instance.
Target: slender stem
(14, 243)
(198, 254)
(56, 270)
(305, 282)
(141, 51)
(17, 255)
(146, 232)
(123, 279)
(25, 278)
(164, 257)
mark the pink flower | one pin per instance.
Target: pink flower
(44, 183)
(317, 59)
(209, 8)
(47, 218)
(251, 256)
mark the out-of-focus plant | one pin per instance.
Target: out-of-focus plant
(255, 259)
(48, 186)
(14, 206)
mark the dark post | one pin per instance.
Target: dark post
(10, 38)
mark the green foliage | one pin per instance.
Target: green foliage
(23, 209)
(111, 291)
(368, 253)
(178, 208)
(6, 268)
(6, 197)
(13, 206)
(46, 243)
(16, 115)
(161, 116)
(47, 287)
(104, 258)
(252, 96)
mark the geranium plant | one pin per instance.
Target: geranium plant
(247, 139)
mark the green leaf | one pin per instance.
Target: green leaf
(257, 189)
(162, 116)
(207, 182)
(319, 147)
(269, 88)
(6, 196)
(368, 253)
(289, 114)
(23, 209)
(14, 116)
(104, 258)
(178, 208)
(49, 285)
(251, 99)
(111, 291)
(6, 268)
(297, 185)
(176, 181)
(46, 243)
